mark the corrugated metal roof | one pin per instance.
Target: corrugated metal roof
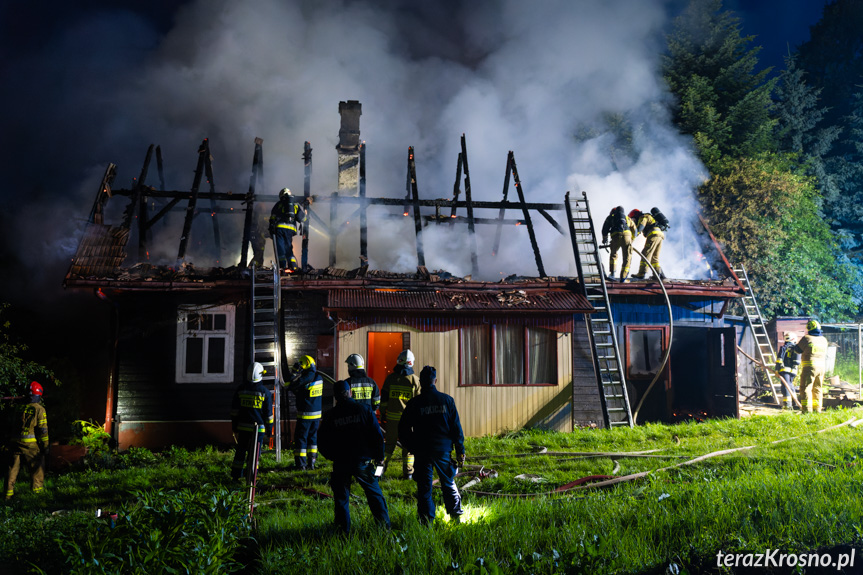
(533, 300)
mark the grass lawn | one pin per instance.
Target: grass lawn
(794, 488)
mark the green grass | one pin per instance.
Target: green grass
(796, 495)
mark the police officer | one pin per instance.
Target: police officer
(787, 362)
(430, 428)
(622, 230)
(352, 439)
(812, 348)
(399, 387)
(285, 219)
(251, 418)
(307, 386)
(30, 444)
(364, 390)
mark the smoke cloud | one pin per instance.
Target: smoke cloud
(572, 88)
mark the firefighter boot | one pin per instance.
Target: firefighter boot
(312, 460)
(300, 463)
(661, 274)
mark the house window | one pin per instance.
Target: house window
(644, 350)
(205, 344)
(506, 354)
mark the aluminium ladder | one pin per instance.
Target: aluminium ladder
(759, 332)
(264, 337)
(600, 324)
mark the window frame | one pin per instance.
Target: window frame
(663, 345)
(184, 334)
(491, 333)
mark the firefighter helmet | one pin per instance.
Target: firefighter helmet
(812, 324)
(36, 388)
(406, 358)
(284, 193)
(256, 372)
(789, 336)
(355, 361)
(306, 362)
(617, 210)
(635, 214)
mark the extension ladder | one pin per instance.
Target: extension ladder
(601, 331)
(759, 332)
(264, 337)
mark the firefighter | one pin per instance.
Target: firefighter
(430, 428)
(787, 362)
(399, 387)
(30, 442)
(307, 386)
(351, 438)
(621, 229)
(364, 390)
(285, 219)
(251, 416)
(812, 348)
(652, 225)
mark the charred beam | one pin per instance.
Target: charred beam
(474, 264)
(456, 188)
(412, 179)
(102, 196)
(307, 187)
(203, 151)
(496, 244)
(540, 268)
(250, 223)
(331, 227)
(208, 169)
(364, 250)
(142, 205)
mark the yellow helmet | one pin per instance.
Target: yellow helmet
(812, 324)
(306, 362)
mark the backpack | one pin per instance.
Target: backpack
(661, 220)
(618, 221)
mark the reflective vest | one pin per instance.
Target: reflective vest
(308, 389)
(787, 359)
(400, 386)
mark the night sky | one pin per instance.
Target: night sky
(87, 83)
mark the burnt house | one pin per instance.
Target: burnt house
(520, 352)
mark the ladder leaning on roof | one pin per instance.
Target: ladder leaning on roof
(264, 337)
(600, 324)
(759, 332)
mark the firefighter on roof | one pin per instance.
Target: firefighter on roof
(285, 219)
(399, 387)
(812, 348)
(364, 390)
(251, 417)
(787, 362)
(621, 229)
(653, 226)
(307, 386)
(30, 442)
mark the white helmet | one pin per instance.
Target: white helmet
(256, 372)
(355, 361)
(406, 358)
(285, 192)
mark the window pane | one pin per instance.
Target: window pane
(542, 355)
(192, 322)
(475, 353)
(194, 355)
(207, 322)
(216, 355)
(508, 354)
(220, 322)
(645, 351)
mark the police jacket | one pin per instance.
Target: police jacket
(350, 432)
(787, 359)
(252, 408)
(308, 388)
(648, 226)
(399, 387)
(364, 390)
(430, 424)
(32, 423)
(812, 348)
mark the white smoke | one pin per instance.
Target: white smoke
(539, 78)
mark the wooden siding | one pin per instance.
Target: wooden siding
(483, 410)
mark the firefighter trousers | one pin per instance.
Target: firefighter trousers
(33, 459)
(652, 247)
(620, 241)
(390, 449)
(811, 390)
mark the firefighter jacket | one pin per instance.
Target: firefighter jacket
(617, 224)
(252, 408)
(430, 424)
(350, 432)
(308, 387)
(812, 348)
(31, 421)
(286, 214)
(364, 390)
(787, 360)
(399, 387)
(647, 225)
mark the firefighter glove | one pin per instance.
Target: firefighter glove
(460, 459)
(604, 239)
